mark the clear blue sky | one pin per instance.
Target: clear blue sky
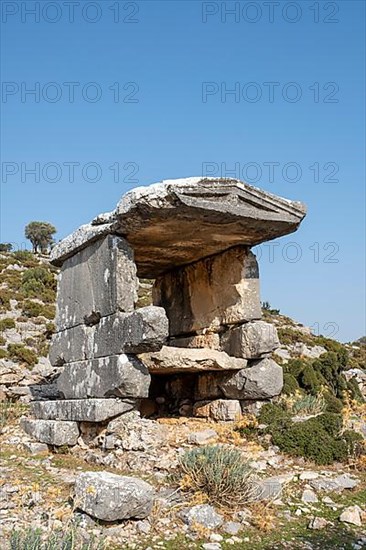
(169, 123)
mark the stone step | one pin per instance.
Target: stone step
(170, 360)
(81, 410)
(146, 329)
(52, 432)
(116, 375)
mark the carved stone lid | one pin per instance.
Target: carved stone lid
(176, 222)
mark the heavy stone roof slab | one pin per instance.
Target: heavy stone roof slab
(177, 222)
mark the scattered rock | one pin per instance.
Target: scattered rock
(203, 437)
(232, 527)
(308, 496)
(318, 523)
(110, 497)
(352, 515)
(202, 514)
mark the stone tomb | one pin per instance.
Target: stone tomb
(202, 348)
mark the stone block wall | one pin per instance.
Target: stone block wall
(202, 348)
(98, 334)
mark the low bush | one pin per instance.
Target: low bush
(306, 404)
(39, 282)
(290, 384)
(354, 389)
(25, 258)
(271, 413)
(10, 411)
(3, 354)
(22, 354)
(34, 309)
(66, 539)
(332, 403)
(5, 297)
(2, 341)
(309, 439)
(6, 323)
(219, 472)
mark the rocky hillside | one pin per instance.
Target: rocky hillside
(291, 474)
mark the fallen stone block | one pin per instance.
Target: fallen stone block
(81, 410)
(219, 290)
(263, 380)
(143, 330)
(110, 497)
(251, 340)
(52, 432)
(221, 409)
(173, 360)
(96, 281)
(112, 376)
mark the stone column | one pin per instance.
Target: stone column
(98, 333)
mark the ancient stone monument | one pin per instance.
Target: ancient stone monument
(202, 348)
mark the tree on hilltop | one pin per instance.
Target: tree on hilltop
(40, 235)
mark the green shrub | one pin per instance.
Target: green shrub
(34, 309)
(25, 258)
(3, 354)
(2, 341)
(354, 390)
(310, 440)
(273, 414)
(5, 296)
(39, 282)
(22, 354)
(290, 384)
(354, 442)
(66, 539)
(295, 367)
(308, 404)
(288, 336)
(332, 403)
(6, 323)
(331, 422)
(309, 380)
(220, 472)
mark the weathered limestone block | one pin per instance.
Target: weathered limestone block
(72, 344)
(81, 410)
(52, 432)
(145, 329)
(219, 290)
(208, 385)
(115, 375)
(207, 214)
(209, 340)
(110, 497)
(250, 340)
(84, 236)
(97, 281)
(173, 360)
(221, 409)
(263, 380)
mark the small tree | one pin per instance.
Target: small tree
(40, 234)
(5, 247)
